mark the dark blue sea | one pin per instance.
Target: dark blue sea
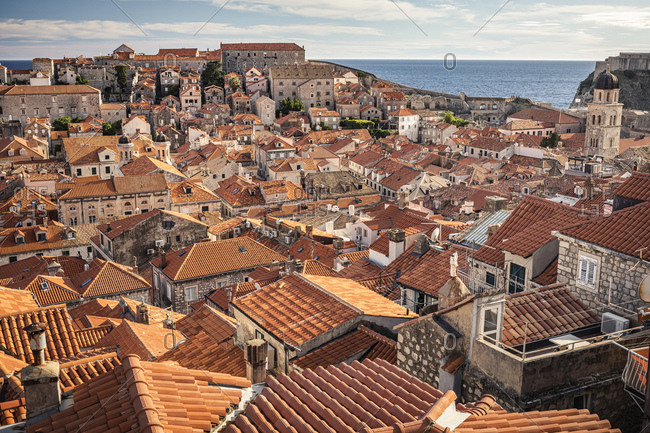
(547, 81)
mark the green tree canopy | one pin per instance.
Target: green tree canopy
(453, 120)
(212, 75)
(61, 123)
(121, 76)
(287, 105)
(80, 80)
(551, 141)
(112, 128)
(234, 83)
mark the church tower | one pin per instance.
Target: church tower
(124, 150)
(604, 116)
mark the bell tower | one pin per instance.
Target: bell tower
(604, 117)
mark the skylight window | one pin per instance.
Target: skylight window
(181, 253)
(86, 282)
(300, 250)
(242, 249)
(44, 286)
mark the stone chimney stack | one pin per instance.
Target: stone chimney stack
(338, 246)
(494, 203)
(143, 313)
(396, 244)
(402, 202)
(256, 360)
(53, 268)
(41, 379)
(309, 230)
(421, 246)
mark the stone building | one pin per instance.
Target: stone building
(136, 239)
(19, 102)
(311, 84)
(239, 57)
(514, 348)
(604, 117)
(265, 110)
(182, 277)
(87, 201)
(299, 324)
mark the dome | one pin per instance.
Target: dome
(606, 81)
(161, 138)
(123, 140)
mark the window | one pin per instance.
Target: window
(78, 172)
(517, 278)
(93, 170)
(587, 271)
(41, 237)
(65, 253)
(178, 238)
(13, 259)
(259, 335)
(190, 294)
(582, 401)
(489, 278)
(490, 323)
(92, 219)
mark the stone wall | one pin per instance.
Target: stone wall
(617, 271)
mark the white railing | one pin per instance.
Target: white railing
(635, 372)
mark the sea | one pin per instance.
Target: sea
(540, 80)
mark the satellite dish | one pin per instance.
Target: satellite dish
(644, 289)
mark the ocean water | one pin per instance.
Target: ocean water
(548, 81)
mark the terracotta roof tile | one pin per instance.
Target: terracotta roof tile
(146, 397)
(146, 341)
(217, 325)
(637, 187)
(626, 231)
(548, 311)
(362, 343)
(197, 260)
(16, 301)
(60, 336)
(108, 278)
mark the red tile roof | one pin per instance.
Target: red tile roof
(527, 229)
(309, 249)
(547, 312)
(146, 397)
(60, 336)
(16, 301)
(214, 323)
(146, 341)
(637, 187)
(548, 276)
(362, 343)
(431, 272)
(108, 278)
(197, 260)
(626, 231)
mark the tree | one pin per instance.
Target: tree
(551, 141)
(174, 89)
(287, 105)
(112, 128)
(121, 76)
(212, 75)
(234, 84)
(61, 123)
(453, 120)
(80, 80)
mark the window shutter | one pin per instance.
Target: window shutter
(591, 274)
(583, 270)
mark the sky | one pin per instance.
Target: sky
(332, 29)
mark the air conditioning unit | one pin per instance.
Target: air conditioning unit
(236, 231)
(613, 323)
(274, 234)
(150, 251)
(160, 243)
(287, 239)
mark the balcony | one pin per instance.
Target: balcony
(636, 371)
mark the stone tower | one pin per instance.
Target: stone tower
(124, 150)
(604, 116)
(162, 145)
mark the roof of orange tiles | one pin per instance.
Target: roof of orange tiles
(431, 271)
(314, 267)
(146, 397)
(527, 229)
(548, 275)
(202, 351)
(198, 260)
(217, 325)
(377, 397)
(26, 269)
(49, 290)
(626, 231)
(9, 364)
(60, 336)
(16, 301)
(107, 278)
(547, 312)
(146, 341)
(362, 343)
(88, 337)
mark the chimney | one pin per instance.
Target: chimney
(454, 290)
(53, 268)
(351, 209)
(309, 229)
(494, 203)
(491, 229)
(338, 246)
(421, 246)
(341, 263)
(41, 379)
(163, 260)
(256, 360)
(402, 202)
(396, 242)
(275, 265)
(45, 221)
(142, 312)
